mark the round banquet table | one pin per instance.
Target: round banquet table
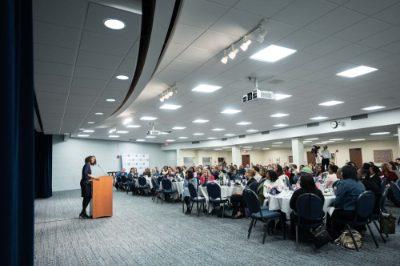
(281, 202)
(226, 191)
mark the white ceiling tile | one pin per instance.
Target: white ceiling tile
(361, 30)
(335, 21)
(390, 14)
(369, 7)
(41, 67)
(88, 83)
(265, 8)
(220, 41)
(393, 47)
(105, 44)
(326, 46)
(185, 34)
(200, 13)
(92, 72)
(382, 38)
(52, 34)
(98, 60)
(302, 12)
(61, 81)
(301, 39)
(54, 54)
(68, 13)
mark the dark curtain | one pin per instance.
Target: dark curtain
(17, 133)
(43, 159)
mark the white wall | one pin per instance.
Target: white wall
(68, 158)
(282, 155)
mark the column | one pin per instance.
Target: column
(398, 138)
(179, 160)
(298, 151)
(236, 156)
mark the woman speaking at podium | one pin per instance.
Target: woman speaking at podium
(86, 186)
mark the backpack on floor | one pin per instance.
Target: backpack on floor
(346, 241)
(387, 223)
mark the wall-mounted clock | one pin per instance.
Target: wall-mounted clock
(334, 124)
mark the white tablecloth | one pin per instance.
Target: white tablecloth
(282, 202)
(226, 191)
(178, 186)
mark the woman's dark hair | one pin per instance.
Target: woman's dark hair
(349, 172)
(333, 168)
(279, 170)
(87, 159)
(272, 175)
(365, 170)
(256, 168)
(189, 175)
(375, 169)
(307, 182)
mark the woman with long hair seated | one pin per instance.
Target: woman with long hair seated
(307, 185)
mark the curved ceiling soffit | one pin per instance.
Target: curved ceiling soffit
(158, 20)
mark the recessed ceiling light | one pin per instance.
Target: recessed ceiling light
(319, 118)
(357, 140)
(178, 128)
(247, 147)
(307, 141)
(356, 71)
(231, 111)
(281, 96)
(200, 121)
(90, 122)
(150, 137)
(380, 133)
(252, 130)
(277, 115)
(88, 131)
(169, 106)
(217, 149)
(83, 135)
(211, 138)
(110, 100)
(272, 53)
(281, 125)
(148, 118)
(243, 123)
(122, 77)
(133, 126)
(140, 140)
(206, 88)
(169, 140)
(265, 148)
(122, 132)
(114, 24)
(336, 139)
(113, 136)
(312, 139)
(330, 103)
(198, 134)
(374, 107)
(218, 129)
(278, 142)
(229, 135)
(98, 113)
(127, 121)
(182, 137)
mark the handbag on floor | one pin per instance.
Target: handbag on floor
(320, 237)
(346, 241)
(387, 223)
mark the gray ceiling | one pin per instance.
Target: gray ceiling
(329, 36)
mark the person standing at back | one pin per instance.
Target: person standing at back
(326, 157)
(86, 186)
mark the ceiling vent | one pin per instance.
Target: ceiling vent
(195, 142)
(358, 117)
(223, 139)
(242, 136)
(265, 132)
(313, 124)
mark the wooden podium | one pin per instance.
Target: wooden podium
(102, 197)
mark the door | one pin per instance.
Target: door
(310, 158)
(356, 156)
(245, 159)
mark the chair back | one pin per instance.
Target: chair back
(252, 202)
(142, 181)
(365, 204)
(309, 206)
(213, 190)
(192, 190)
(287, 182)
(154, 183)
(395, 190)
(166, 184)
(159, 179)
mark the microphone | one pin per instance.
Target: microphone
(102, 169)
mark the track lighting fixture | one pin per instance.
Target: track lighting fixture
(165, 95)
(233, 52)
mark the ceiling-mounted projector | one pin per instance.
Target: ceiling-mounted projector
(154, 132)
(257, 93)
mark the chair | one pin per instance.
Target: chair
(156, 190)
(395, 193)
(214, 196)
(143, 186)
(376, 216)
(195, 198)
(363, 213)
(257, 213)
(167, 189)
(309, 212)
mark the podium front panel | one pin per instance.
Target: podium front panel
(102, 197)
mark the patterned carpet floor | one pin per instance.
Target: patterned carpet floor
(142, 232)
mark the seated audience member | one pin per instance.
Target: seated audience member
(132, 177)
(331, 177)
(257, 176)
(307, 185)
(395, 168)
(260, 185)
(347, 192)
(206, 177)
(375, 175)
(185, 193)
(318, 173)
(272, 183)
(281, 175)
(388, 174)
(237, 200)
(364, 176)
(147, 172)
